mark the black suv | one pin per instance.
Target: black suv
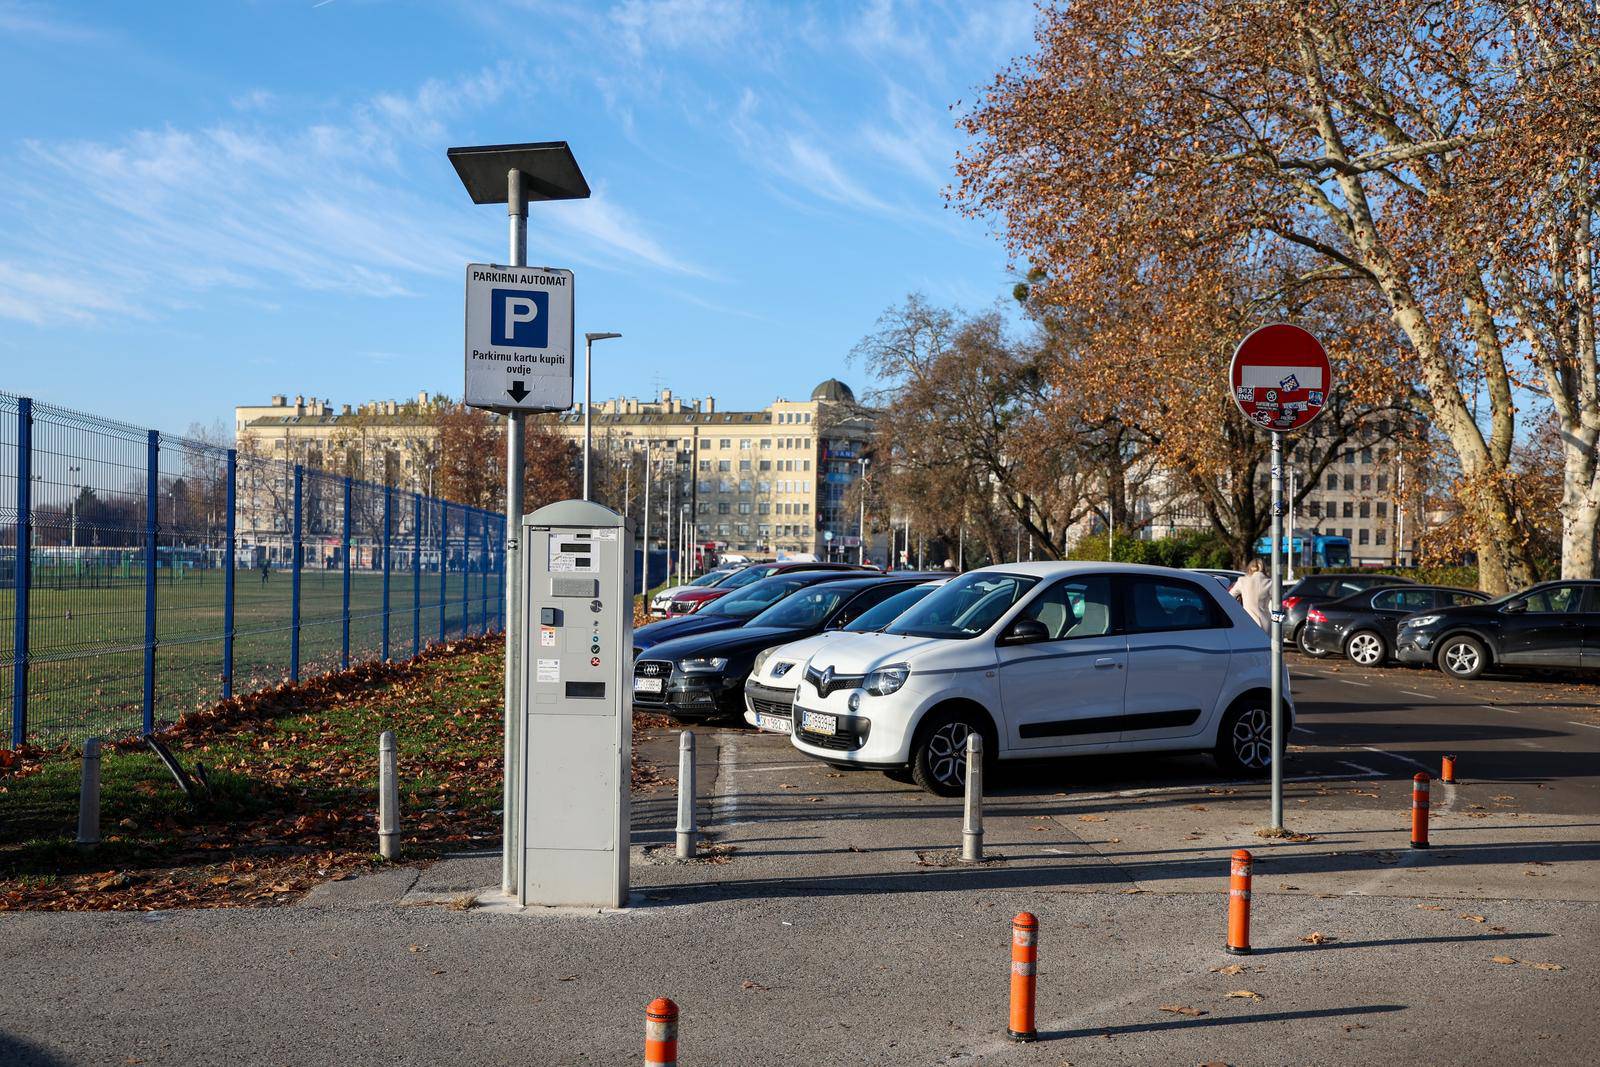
(1553, 624)
(1299, 596)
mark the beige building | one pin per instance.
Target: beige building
(764, 483)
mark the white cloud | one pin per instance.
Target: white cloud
(674, 25)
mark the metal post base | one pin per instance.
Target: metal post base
(1031, 1035)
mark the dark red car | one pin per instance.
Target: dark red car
(692, 600)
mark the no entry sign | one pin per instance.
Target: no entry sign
(1280, 378)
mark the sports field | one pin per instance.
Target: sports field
(86, 641)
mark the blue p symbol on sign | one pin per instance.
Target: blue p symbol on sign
(519, 317)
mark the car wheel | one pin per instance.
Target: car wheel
(1301, 643)
(1244, 743)
(939, 756)
(1463, 657)
(1366, 649)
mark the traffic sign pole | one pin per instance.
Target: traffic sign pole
(1277, 631)
(510, 832)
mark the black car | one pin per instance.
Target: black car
(1298, 597)
(1362, 625)
(735, 609)
(702, 676)
(1553, 624)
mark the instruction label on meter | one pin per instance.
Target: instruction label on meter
(548, 670)
(569, 556)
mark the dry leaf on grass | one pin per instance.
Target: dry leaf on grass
(1502, 959)
(1246, 994)
(1232, 968)
(1317, 937)
(1547, 966)
(1183, 1009)
(1474, 918)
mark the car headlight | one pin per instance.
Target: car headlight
(761, 660)
(886, 680)
(1420, 620)
(701, 664)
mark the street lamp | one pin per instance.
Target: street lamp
(75, 485)
(861, 524)
(514, 174)
(588, 361)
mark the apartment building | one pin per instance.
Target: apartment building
(768, 482)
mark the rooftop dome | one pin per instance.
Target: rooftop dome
(835, 390)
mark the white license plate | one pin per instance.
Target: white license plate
(819, 723)
(774, 723)
(647, 685)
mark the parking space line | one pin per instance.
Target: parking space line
(1366, 772)
(1508, 711)
(1396, 755)
(1347, 681)
(760, 767)
(1590, 725)
(1414, 693)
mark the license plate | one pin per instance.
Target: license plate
(774, 723)
(647, 685)
(819, 723)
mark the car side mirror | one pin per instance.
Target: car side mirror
(1516, 607)
(1024, 632)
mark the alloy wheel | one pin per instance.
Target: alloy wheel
(1366, 649)
(1461, 658)
(947, 753)
(1252, 739)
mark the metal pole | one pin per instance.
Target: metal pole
(667, 522)
(388, 517)
(344, 614)
(296, 561)
(1276, 636)
(444, 565)
(511, 790)
(24, 572)
(688, 830)
(416, 573)
(1289, 550)
(89, 794)
(644, 577)
(388, 797)
(229, 561)
(466, 571)
(588, 362)
(861, 523)
(972, 816)
(152, 505)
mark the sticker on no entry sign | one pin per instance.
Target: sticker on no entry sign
(1280, 377)
(519, 338)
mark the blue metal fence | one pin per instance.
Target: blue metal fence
(143, 575)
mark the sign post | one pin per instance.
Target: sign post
(1280, 379)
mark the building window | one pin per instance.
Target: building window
(1383, 509)
(705, 464)
(805, 464)
(744, 485)
(1364, 535)
(1383, 537)
(763, 486)
(722, 529)
(1347, 533)
(724, 508)
(744, 444)
(744, 464)
(744, 507)
(1383, 455)
(765, 532)
(725, 442)
(764, 508)
(1383, 483)
(1333, 481)
(1316, 508)
(805, 509)
(703, 508)
(705, 485)
(1366, 455)
(766, 464)
(766, 442)
(1366, 483)
(1349, 455)
(726, 486)
(1349, 510)
(1349, 483)
(1366, 510)
(724, 465)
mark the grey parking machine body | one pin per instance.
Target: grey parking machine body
(576, 706)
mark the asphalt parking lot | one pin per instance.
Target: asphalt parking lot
(830, 924)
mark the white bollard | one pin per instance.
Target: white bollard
(687, 830)
(972, 821)
(89, 795)
(388, 798)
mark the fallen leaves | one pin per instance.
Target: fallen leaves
(1511, 961)
(1091, 818)
(1474, 918)
(750, 983)
(1183, 1009)
(1317, 937)
(1246, 994)
(1232, 968)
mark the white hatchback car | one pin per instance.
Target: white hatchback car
(1045, 659)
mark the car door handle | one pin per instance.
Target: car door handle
(1105, 661)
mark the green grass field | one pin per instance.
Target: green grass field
(86, 644)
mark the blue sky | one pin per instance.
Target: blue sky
(207, 203)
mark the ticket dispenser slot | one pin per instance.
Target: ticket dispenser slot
(575, 705)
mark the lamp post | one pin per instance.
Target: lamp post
(861, 523)
(514, 175)
(588, 362)
(75, 485)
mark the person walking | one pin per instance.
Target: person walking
(1253, 589)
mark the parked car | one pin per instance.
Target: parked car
(1553, 624)
(1297, 598)
(735, 610)
(702, 676)
(1223, 575)
(690, 601)
(1044, 659)
(769, 691)
(660, 603)
(1362, 625)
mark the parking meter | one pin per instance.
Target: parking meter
(576, 707)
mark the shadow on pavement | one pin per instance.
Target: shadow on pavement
(1212, 1020)
(1383, 941)
(15, 1052)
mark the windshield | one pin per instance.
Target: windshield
(805, 609)
(710, 578)
(965, 607)
(878, 616)
(756, 599)
(746, 576)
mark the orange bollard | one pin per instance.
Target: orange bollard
(1419, 811)
(661, 1033)
(1447, 773)
(1239, 904)
(1024, 976)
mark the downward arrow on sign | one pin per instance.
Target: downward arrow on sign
(518, 391)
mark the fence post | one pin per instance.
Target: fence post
(296, 558)
(388, 506)
(483, 583)
(466, 571)
(152, 502)
(23, 572)
(344, 628)
(444, 558)
(229, 560)
(416, 574)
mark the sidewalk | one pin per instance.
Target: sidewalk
(831, 929)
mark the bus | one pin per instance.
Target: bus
(1319, 550)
